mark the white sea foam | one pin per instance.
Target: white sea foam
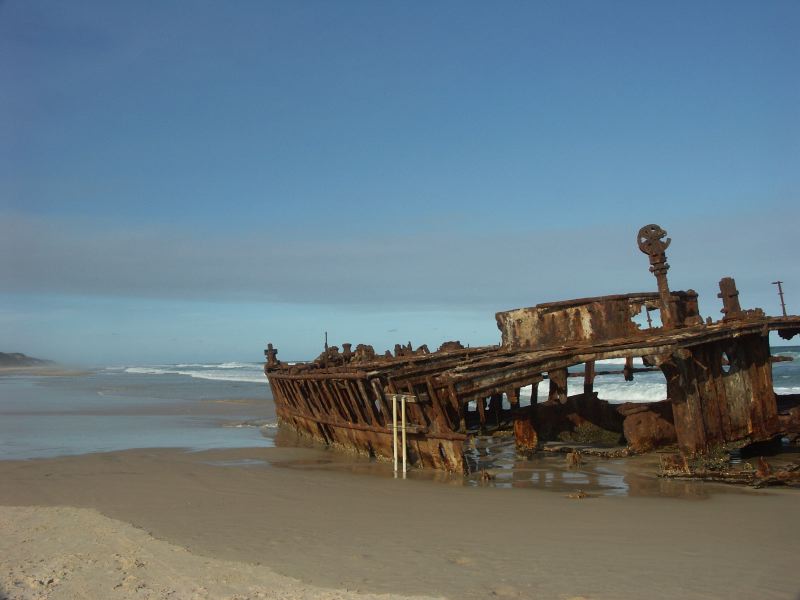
(258, 377)
(787, 390)
(224, 365)
(637, 361)
(632, 392)
(613, 391)
(253, 374)
(148, 370)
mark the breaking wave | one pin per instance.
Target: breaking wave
(613, 389)
(632, 392)
(787, 390)
(637, 361)
(793, 354)
(230, 371)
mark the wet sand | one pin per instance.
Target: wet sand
(42, 371)
(339, 524)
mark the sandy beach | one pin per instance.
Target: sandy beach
(305, 523)
(41, 371)
(78, 553)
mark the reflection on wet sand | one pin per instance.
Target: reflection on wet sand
(496, 464)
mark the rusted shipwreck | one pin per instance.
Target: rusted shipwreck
(718, 378)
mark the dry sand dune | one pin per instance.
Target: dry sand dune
(69, 553)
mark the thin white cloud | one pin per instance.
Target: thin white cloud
(493, 269)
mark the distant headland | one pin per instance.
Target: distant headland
(16, 363)
(17, 359)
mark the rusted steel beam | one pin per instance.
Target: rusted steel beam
(419, 362)
(440, 417)
(635, 297)
(588, 378)
(432, 364)
(558, 385)
(377, 418)
(323, 390)
(486, 386)
(496, 408)
(329, 391)
(356, 408)
(378, 392)
(780, 294)
(309, 390)
(308, 401)
(628, 370)
(316, 375)
(416, 412)
(480, 405)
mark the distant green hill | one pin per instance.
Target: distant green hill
(17, 359)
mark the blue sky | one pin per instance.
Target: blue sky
(187, 181)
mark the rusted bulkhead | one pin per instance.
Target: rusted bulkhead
(718, 378)
(586, 319)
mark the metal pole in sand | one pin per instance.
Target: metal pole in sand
(394, 430)
(403, 417)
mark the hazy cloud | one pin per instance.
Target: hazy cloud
(494, 269)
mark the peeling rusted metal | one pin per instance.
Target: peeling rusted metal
(718, 376)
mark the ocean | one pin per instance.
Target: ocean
(197, 407)
(200, 406)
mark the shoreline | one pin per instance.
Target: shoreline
(301, 514)
(43, 371)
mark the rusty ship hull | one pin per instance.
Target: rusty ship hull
(718, 377)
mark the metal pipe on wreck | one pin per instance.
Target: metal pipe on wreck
(780, 293)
